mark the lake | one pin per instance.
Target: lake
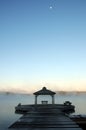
(9, 101)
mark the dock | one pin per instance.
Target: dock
(27, 108)
(45, 116)
(48, 119)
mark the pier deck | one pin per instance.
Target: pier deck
(27, 108)
(45, 119)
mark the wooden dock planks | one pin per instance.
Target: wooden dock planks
(45, 119)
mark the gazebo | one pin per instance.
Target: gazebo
(44, 91)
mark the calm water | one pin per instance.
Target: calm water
(8, 103)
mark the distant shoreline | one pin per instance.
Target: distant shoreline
(57, 92)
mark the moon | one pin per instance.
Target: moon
(51, 7)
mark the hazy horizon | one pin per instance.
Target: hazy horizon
(22, 91)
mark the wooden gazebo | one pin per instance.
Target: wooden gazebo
(44, 91)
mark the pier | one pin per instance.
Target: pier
(45, 116)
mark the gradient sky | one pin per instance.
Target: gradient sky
(42, 43)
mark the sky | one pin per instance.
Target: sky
(42, 43)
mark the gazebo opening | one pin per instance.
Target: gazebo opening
(44, 91)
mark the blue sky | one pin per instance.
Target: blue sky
(42, 43)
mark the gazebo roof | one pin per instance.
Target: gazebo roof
(44, 91)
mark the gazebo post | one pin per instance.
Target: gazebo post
(53, 99)
(35, 99)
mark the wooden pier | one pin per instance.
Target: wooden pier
(45, 116)
(27, 108)
(48, 119)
